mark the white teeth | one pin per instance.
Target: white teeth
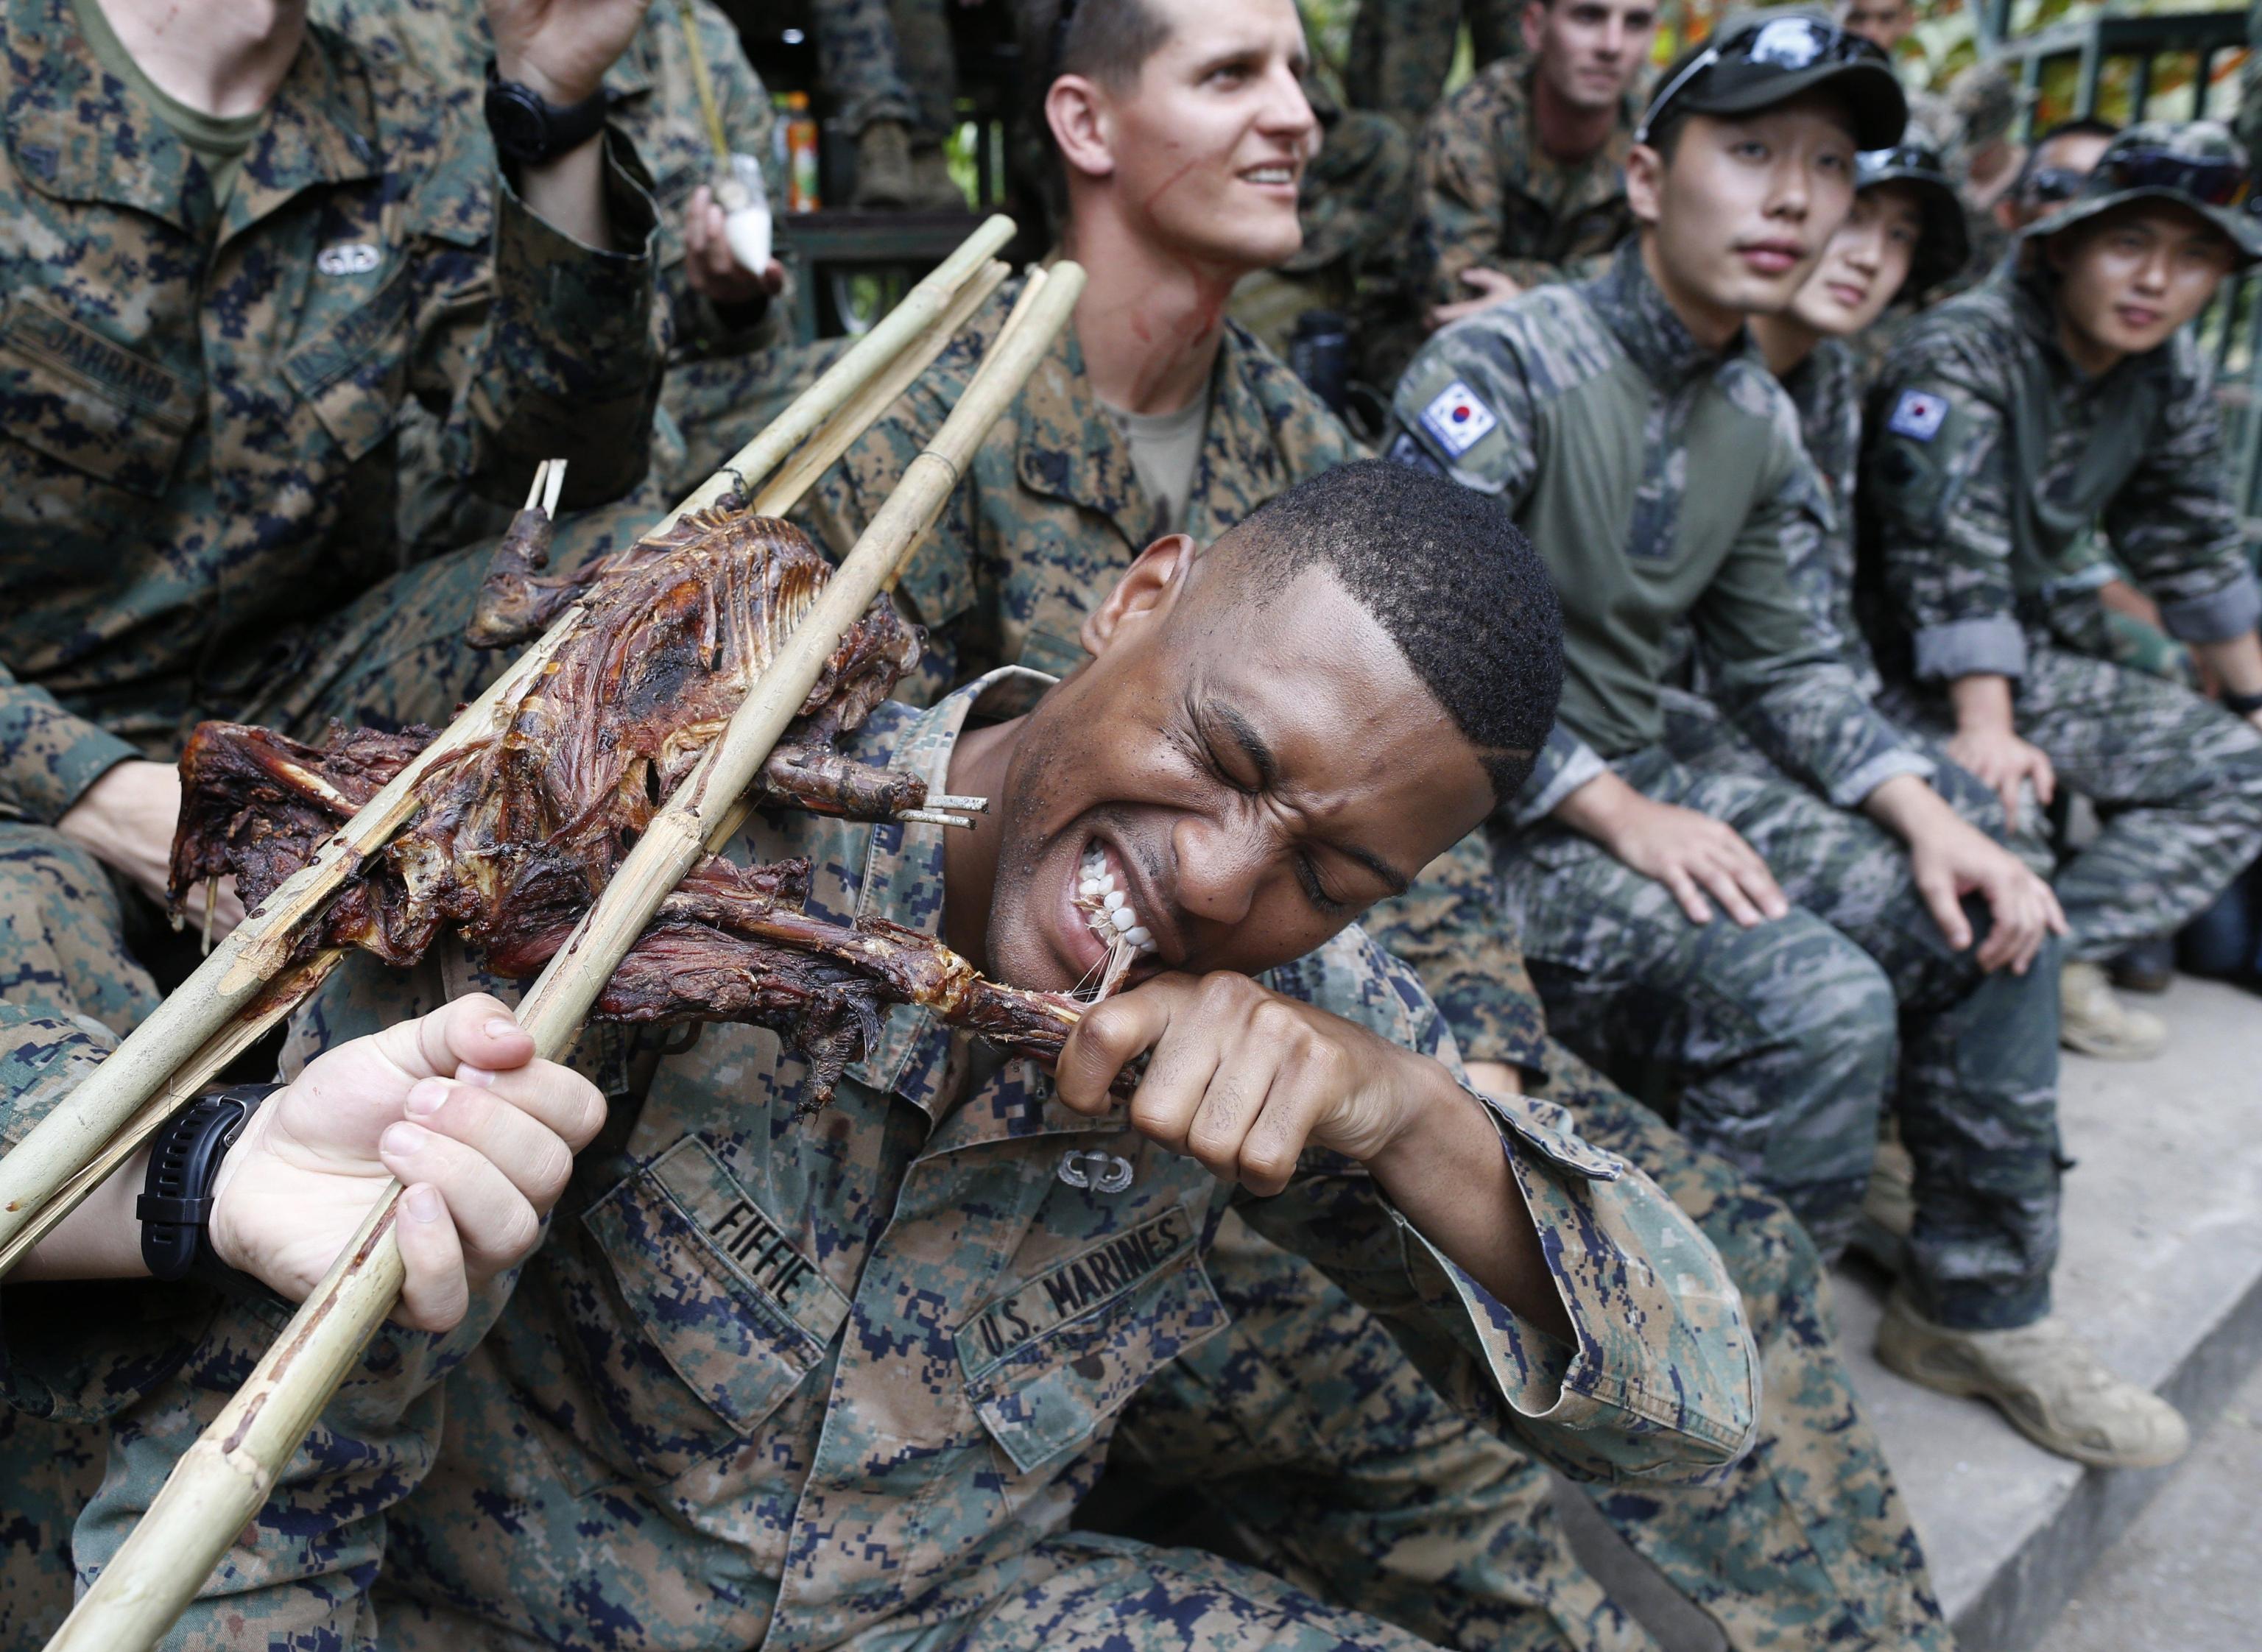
(1089, 888)
(1138, 936)
(1121, 918)
(1113, 900)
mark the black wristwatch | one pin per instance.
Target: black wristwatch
(176, 1198)
(2240, 704)
(528, 130)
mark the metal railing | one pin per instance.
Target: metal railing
(2231, 327)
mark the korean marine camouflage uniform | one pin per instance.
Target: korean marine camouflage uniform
(1826, 389)
(196, 466)
(1990, 456)
(1330, 1457)
(1663, 482)
(840, 1381)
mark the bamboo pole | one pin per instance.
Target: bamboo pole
(55, 1151)
(224, 1478)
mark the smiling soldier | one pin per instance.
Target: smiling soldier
(1657, 466)
(671, 1433)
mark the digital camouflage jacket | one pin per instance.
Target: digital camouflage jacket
(1989, 456)
(197, 409)
(812, 1383)
(1663, 482)
(1491, 196)
(1826, 388)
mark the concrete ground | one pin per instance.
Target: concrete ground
(2162, 1270)
(2187, 1576)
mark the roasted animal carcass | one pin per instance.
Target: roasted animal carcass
(516, 837)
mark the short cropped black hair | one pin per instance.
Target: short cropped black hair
(1450, 576)
(2079, 126)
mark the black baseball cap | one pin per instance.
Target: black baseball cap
(1771, 60)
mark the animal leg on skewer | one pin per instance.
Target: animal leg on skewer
(508, 593)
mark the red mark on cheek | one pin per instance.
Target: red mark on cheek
(1167, 185)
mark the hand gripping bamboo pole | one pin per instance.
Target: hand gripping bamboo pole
(221, 1482)
(44, 1176)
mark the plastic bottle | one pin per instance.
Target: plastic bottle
(801, 194)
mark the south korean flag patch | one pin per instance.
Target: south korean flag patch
(1457, 419)
(1918, 415)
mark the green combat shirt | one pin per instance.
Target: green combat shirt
(196, 406)
(1663, 482)
(1990, 455)
(803, 1383)
(1491, 196)
(1050, 515)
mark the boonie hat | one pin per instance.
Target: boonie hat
(2197, 165)
(1770, 59)
(1947, 244)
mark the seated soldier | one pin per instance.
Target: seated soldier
(1658, 468)
(231, 256)
(1300, 1425)
(648, 1440)
(2064, 394)
(1523, 169)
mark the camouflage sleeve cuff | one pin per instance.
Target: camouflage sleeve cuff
(1661, 1381)
(53, 757)
(1565, 764)
(1849, 792)
(577, 322)
(2217, 616)
(1994, 646)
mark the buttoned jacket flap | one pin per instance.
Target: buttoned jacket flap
(719, 1288)
(353, 371)
(87, 401)
(1056, 1352)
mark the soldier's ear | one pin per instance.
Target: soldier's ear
(1533, 22)
(1645, 183)
(1076, 109)
(1149, 589)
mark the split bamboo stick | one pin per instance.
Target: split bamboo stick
(56, 1151)
(224, 1478)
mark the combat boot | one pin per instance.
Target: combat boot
(2053, 1389)
(2094, 1021)
(883, 167)
(1881, 1231)
(932, 188)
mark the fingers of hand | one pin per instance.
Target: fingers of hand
(434, 1291)
(1675, 877)
(535, 1159)
(1104, 1042)
(475, 1031)
(496, 1223)
(1941, 900)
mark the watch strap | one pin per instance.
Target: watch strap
(549, 129)
(184, 1159)
(2240, 704)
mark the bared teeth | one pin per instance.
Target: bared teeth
(1107, 910)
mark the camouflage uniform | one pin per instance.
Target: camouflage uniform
(1402, 50)
(1491, 196)
(718, 358)
(1990, 456)
(198, 464)
(1304, 1426)
(1785, 1033)
(843, 1380)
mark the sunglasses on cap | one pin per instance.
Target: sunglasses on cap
(2050, 185)
(1790, 44)
(1902, 157)
(2210, 181)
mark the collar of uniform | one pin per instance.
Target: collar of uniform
(1069, 449)
(902, 881)
(1600, 177)
(1645, 326)
(321, 128)
(76, 134)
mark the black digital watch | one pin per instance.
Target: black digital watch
(529, 131)
(184, 1159)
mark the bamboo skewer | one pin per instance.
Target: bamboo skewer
(224, 1478)
(55, 1153)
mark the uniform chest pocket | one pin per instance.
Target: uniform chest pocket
(723, 1299)
(1052, 1360)
(88, 402)
(353, 371)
